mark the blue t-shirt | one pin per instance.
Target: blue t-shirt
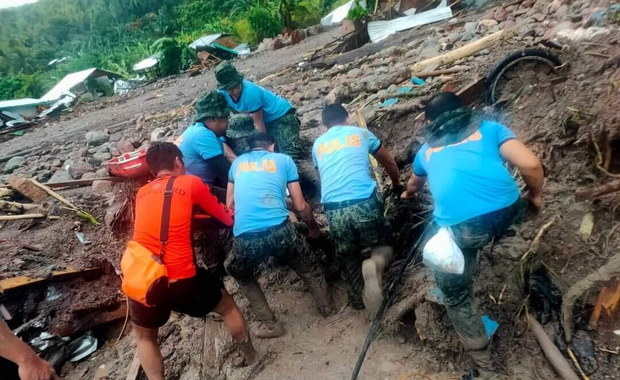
(254, 98)
(341, 155)
(198, 144)
(261, 179)
(469, 178)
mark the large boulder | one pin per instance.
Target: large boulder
(96, 138)
(79, 168)
(125, 146)
(14, 163)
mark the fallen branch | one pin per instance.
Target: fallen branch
(576, 363)
(272, 76)
(82, 182)
(21, 217)
(462, 52)
(15, 207)
(604, 273)
(595, 192)
(78, 211)
(536, 242)
(434, 73)
(553, 354)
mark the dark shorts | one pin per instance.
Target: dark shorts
(196, 296)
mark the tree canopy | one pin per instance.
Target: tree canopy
(115, 34)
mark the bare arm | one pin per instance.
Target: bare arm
(530, 167)
(414, 184)
(228, 153)
(302, 208)
(31, 367)
(259, 121)
(385, 158)
(230, 196)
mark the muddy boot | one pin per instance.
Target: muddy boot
(372, 271)
(247, 353)
(268, 327)
(268, 330)
(322, 296)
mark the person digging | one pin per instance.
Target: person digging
(270, 113)
(475, 196)
(163, 217)
(353, 207)
(257, 186)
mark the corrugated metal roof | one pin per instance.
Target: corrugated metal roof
(206, 40)
(379, 30)
(20, 103)
(72, 80)
(340, 13)
(147, 63)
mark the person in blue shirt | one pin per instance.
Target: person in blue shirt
(270, 113)
(257, 186)
(204, 152)
(353, 207)
(464, 162)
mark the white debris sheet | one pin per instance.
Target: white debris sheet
(340, 13)
(380, 30)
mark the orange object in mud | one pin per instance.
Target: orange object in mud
(129, 165)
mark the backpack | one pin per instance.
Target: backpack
(145, 277)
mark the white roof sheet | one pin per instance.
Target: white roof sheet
(146, 63)
(379, 30)
(70, 81)
(340, 13)
(205, 40)
(19, 103)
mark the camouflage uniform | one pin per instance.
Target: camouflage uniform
(356, 227)
(284, 243)
(471, 236)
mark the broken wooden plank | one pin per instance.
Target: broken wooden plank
(82, 182)
(14, 283)
(134, 368)
(472, 92)
(21, 217)
(28, 189)
(462, 52)
(16, 207)
(54, 194)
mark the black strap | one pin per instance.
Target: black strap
(165, 216)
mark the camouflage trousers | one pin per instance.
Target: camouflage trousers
(471, 236)
(282, 242)
(356, 227)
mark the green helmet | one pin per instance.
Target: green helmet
(227, 76)
(211, 105)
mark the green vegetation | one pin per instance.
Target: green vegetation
(115, 34)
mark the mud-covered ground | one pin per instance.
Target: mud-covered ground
(559, 116)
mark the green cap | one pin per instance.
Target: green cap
(211, 105)
(227, 76)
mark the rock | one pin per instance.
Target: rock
(79, 168)
(115, 152)
(44, 176)
(158, 134)
(314, 30)
(311, 93)
(562, 12)
(96, 138)
(14, 163)
(103, 172)
(354, 73)
(296, 97)
(102, 186)
(90, 175)
(60, 175)
(115, 137)
(297, 36)
(555, 5)
(470, 26)
(265, 45)
(366, 69)
(538, 17)
(500, 14)
(57, 163)
(125, 146)
(324, 86)
(467, 35)
(488, 23)
(339, 94)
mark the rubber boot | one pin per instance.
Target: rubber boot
(322, 296)
(248, 354)
(268, 327)
(372, 272)
(478, 350)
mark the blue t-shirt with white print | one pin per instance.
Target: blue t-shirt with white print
(261, 179)
(255, 98)
(198, 144)
(469, 178)
(341, 155)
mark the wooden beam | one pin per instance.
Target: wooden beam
(462, 52)
(14, 283)
(472, 91)
(21, 217)
(82, 182)
(134, 368)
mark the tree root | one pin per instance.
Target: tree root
(604, 273)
